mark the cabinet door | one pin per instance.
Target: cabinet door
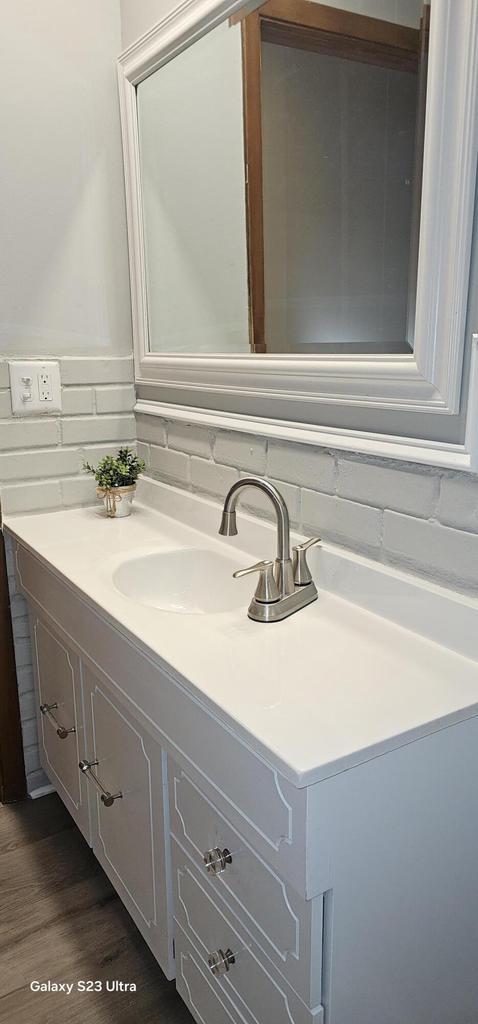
(60, 719)
(129, 833)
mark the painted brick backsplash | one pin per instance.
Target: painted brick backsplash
(36, 453)
(96, 370)
(240, 450)
(388, 487)
(458, 505)
(211, 478)
(78, 401)
(302, 464)
(5, 404)
(115, 399)
(422, 519)
(172, 465)
(197, 442)
(41, 468)
(341, 521)
(429, 545)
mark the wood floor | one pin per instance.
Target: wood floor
(60, 920)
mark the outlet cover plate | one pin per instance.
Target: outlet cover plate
(30, 396)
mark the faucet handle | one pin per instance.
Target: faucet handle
(267, 590)
(302, 574)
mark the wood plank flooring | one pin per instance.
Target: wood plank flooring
(61, 920)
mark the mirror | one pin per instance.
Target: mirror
(281, 166)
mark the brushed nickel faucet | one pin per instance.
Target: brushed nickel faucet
(285, 585)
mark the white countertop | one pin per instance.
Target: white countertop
(326, 689)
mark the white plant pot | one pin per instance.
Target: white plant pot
(118, 501)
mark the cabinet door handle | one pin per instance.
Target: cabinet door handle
(220, 962)
(106, 797)
(215, 860)
(61, 731)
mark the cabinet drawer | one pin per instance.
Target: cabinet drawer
(60, 719)
(251, 983)
(207, 1004)
(287, 927)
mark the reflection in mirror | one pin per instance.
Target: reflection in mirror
(342, 142)
(281, 164)
(193, 190)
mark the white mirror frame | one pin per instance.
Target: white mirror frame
(427, 381)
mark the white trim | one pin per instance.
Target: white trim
(41, 791)
(427, 381)
(435, 453)
(385, 382)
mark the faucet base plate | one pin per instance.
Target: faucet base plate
(275, 611)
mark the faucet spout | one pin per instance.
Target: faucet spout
(228, 527)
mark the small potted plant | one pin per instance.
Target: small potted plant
(116, 477)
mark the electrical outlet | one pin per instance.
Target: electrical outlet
(45, 390)
(35, 387)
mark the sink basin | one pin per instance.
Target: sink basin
(188, 580)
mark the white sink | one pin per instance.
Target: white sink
(191, 581)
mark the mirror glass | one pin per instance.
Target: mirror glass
(193, 191)
(281, 164)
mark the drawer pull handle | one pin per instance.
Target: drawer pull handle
(107, 798)
(216, 860)
(220, 962)
(47, 709)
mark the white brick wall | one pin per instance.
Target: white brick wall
(386, 486)
(41, 468)
(240, 450)
(425, 520)
(342, 521)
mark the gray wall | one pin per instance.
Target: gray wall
(63, 258)
(137, 16)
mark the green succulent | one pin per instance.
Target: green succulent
(121, 470)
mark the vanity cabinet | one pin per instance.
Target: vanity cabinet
(59, 704)
(270, 902)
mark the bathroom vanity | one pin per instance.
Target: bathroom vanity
(287, 810)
